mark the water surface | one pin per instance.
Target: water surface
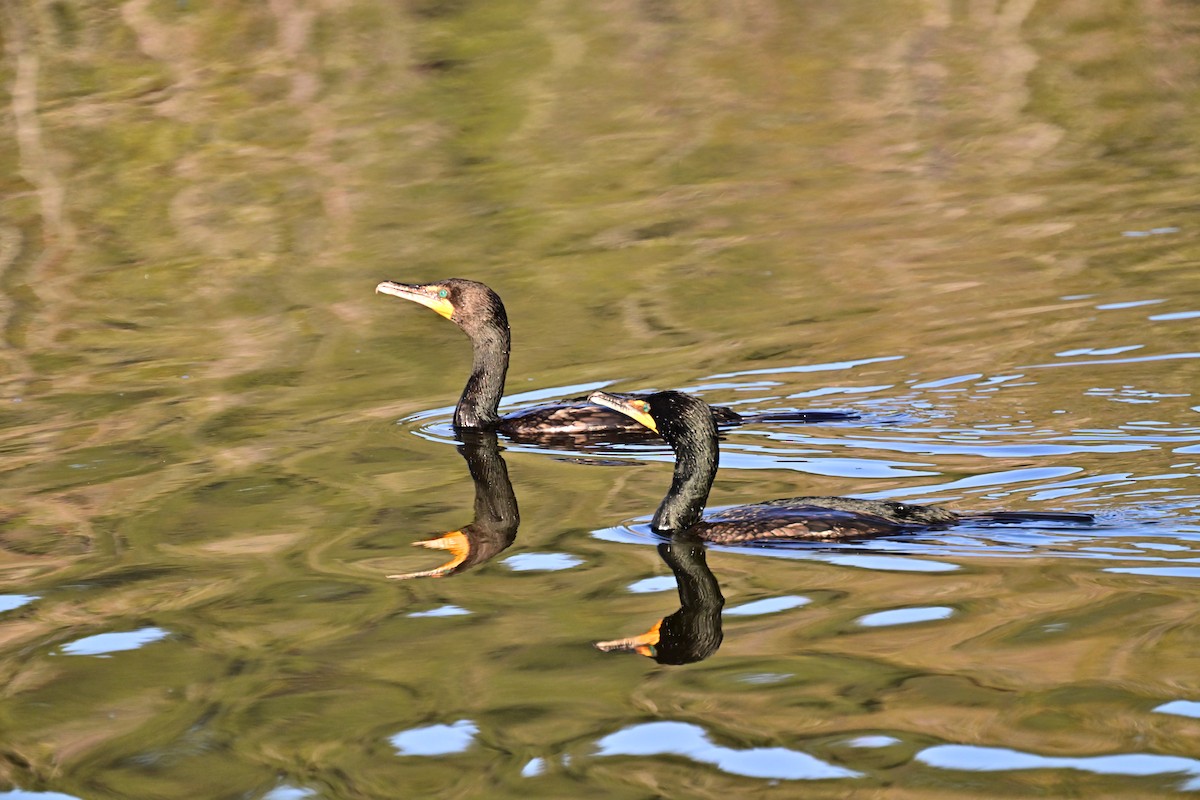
(972, 225)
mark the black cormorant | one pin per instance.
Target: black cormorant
(480, 313)
(688, 428)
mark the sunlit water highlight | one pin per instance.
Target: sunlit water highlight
(770, 605)
(10, 601)
(691, 741)
(435, 740)
(994, 759)
(103, 644)
(905, 616)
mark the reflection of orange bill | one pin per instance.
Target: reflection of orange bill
(643, 644)
(455, 541)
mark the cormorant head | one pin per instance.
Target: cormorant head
(675, 416)
(470, 305)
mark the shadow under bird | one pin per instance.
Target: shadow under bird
(684, 422)
(496, 515)
(480, 313)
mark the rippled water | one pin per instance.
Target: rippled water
(972, 226)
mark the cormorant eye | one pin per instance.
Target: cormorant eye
(443, 293)
(644, 406)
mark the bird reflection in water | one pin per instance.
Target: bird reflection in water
(693, 633)
(496, 515)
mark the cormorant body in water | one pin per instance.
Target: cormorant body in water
(496, 515)
(480, 313)
(685, 424)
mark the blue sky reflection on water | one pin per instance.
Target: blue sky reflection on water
(541, 562)
(1183, 708)
(8, 602)
(289, 793)
(658, 583)
(103, 644)
(692, 742)
(435, 740)
(768, 605)
(441, 611)
(998, 759)
(905, 616)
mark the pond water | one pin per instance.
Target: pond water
(973, 225)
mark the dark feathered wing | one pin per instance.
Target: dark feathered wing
(818, 519)
(582, 417)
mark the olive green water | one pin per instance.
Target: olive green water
(975, 224)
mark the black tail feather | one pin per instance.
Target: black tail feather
(803, 417)
(1019, 517)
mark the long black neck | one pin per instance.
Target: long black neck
(481, 396)
(696, 458)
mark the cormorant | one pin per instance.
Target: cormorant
(688, 428)
(480, 313)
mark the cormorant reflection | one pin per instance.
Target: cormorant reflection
(496, 513)
(693, 633)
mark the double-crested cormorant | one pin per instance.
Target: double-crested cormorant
(478, 310)
(692, 633)
(684, 422)
(496, 515)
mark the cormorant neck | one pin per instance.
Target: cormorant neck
(696, 459)
(477, 408)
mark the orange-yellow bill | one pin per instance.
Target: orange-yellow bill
(427, 296)
(633, 407)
